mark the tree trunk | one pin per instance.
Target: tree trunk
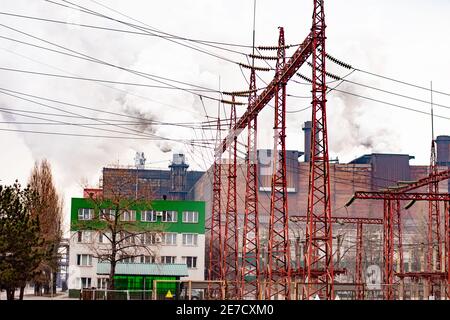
(37, 289)
(22, 289)
(54, 282)
(112, 273)
(46, 289)
(10, 293)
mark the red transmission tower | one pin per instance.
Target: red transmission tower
(215, 241)
(359, 273)
(279, 264)
(319, 241)
(230, 263)
(388, 218)
(434, 220)
(398, 241)
(447, 246)
(388, 248)
(250, 269)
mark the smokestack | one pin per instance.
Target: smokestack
(443, 150)
(307, 129)
(443, 153)
(178, 177)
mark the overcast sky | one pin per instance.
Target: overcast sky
(406, 40)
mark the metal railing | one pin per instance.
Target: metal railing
(102, 294)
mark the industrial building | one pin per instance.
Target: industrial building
(374, 172)
(170, 244)
(173, 183)
(370, 172)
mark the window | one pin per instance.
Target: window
(84, 236)
(147, 259)
(149, 238)
(148, 216)
(169, 238)
(126, 260)
(190, 239)
(107, 214)
(84, 260)
(169, 216)
(85, 282)
(127, 237)
(102, 283)
(191, 262)
(103, 237)
(85, 214)
(168, 259)
(190, 216)
(128, 215)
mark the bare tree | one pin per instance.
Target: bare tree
(124, 238)
(47, 208)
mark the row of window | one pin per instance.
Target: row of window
(151, 238)
(146, 216)
(191, 262)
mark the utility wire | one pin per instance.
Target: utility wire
(135, 72)
(204, 42)
(144, 29)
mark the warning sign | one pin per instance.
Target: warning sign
(169, 295)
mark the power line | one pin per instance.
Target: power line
(389, 103)
(402, 82)
(92, 12)
(86, 135)
(139, 133)
(205, 42)
(98, 80)
(349, 66)
(104, 85)
(135, 72)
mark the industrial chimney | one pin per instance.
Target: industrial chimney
(178, 177)
(443, 152)
(307, 129)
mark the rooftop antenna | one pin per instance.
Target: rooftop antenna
(254, 22)
(432, 114)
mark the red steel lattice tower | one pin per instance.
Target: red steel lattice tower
(447, 246)
(359, 273)
(215, 241)
(230, 263)
(388, 250)
(434, 252)
(250, 269)
(319, 241)
(279, 266)
(434, 255)
(398, 242)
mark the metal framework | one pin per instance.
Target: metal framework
(406, 186)
(319, 240)
(419, 196)
(447, 246)
(230, 264)
(398, 242)
(250, 269)
(215, 241)
(360, 222)
(434, 256)
(359, 273)
(392, 210)
(340, 220)
(388, 249)
(258, 103)
(279, 265)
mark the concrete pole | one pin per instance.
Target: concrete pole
(190, 290)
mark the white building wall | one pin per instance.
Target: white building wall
(179, 251)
